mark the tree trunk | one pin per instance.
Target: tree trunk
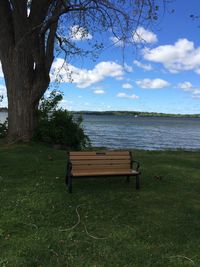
(25, 86)
(22, 117)
(26, 55)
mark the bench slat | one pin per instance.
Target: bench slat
(101, 167)
(100, 162)
(94, 153)
(91, 157)
(102, 173)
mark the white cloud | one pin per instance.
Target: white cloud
(3, 90)
(144, 36)
(197, 71)
(146, 67)
(78, 33)
(127, 86)
(66, 104)
(188, 87)
(3, 93)
(84, 78)
(152, 84)
(127, 68)
(124, 95)
(99, 91)
(117, 41)
(196, 96)
(1, 71)
(181, 56)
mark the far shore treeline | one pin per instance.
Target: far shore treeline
(3, 110)
(128, 113)
(136, 113)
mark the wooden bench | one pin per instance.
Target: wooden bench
(101, 163)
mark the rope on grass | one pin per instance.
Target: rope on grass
(76, 224)
(92, 236)
(184, 257)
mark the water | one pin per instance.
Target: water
(3, 116)
(149, 133)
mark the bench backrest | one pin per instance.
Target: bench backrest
(100, 160)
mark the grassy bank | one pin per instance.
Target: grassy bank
(104, 222)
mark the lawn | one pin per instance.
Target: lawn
(104, 222)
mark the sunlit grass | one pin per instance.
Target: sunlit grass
(104, 222)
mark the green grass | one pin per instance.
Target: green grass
(104, 222)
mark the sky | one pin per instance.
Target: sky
(161, 75)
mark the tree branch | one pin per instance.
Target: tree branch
(6, 28)
(50, 46)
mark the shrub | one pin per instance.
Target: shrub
(58, 126)
(4, 129)
(4, 125)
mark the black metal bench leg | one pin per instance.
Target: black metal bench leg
(69, 183)
(128, 179)
(66, 179)
(137, 182)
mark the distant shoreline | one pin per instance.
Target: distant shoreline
(3, 110)
(136, 114)
(128, 113)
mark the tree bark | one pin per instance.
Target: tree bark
(26, 62)
(22, 118)
(26, 82)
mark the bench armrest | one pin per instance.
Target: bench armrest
(137, 164)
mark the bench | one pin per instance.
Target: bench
(101, 163)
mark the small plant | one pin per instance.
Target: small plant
(4, 129)
(4, 125)
(58, 126)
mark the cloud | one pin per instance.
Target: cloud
(1, 71)
(84, 78)
(124, 95)
(196, 96)
(146, 67)
(144, 36)
(3, 90)
(127, 86)
(188, 87)
(117, 41)
(78, 33)
(66, 104)
(182, 56)
(152, 84)
(127, 68)
(3, 93)
(99, 91)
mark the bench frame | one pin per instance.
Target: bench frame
(136, 172)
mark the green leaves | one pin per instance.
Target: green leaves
(58, 126)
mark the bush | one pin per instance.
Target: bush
(58, 126)
(4, 129)
(4, 125)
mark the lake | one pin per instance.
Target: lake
(149, 133)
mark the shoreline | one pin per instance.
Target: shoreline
(127, 113)
(135, 114)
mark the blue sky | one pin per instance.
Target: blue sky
(162, 75)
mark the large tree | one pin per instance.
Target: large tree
(32, 30)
